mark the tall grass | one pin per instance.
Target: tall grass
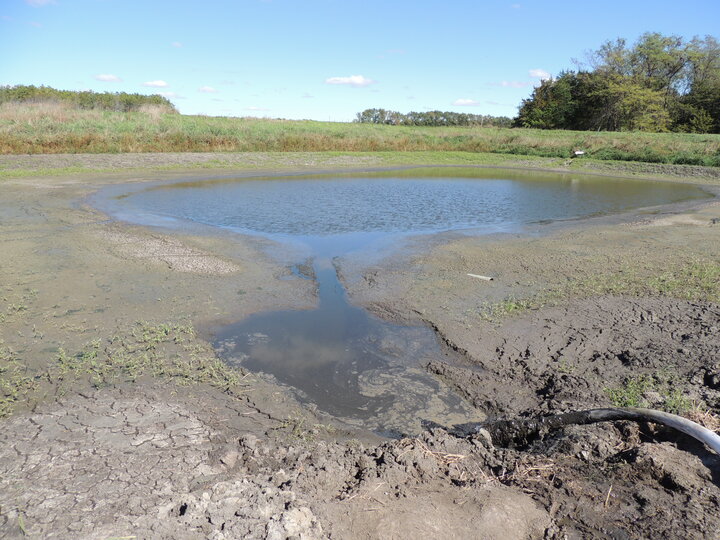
(57, 128)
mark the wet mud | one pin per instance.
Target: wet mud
(153, 459)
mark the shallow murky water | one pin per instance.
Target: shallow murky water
(354, 366)
(349, 363)
(333, 214)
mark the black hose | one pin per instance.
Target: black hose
(519, 432)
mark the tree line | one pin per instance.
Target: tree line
(109, 101)
(661, 83)
(430, 118)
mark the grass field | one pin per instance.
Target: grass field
(50, 128)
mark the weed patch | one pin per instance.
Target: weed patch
(509, 307)
(164, 350)
(661, 390)
(697, 280)
(16, 304)
(16, 383)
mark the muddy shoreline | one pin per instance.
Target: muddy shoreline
(575, 309)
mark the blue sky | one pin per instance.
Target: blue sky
(323, 59)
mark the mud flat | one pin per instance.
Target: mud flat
(121, 422)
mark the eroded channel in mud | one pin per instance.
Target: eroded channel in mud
(350, 364)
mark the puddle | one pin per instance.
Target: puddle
(352, 365)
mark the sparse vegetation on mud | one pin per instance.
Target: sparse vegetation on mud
(662, 390)
(16, 385)
(165, 350)
(694, 280)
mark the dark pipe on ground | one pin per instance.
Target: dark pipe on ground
(519, 432)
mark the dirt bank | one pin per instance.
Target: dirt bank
(120, 423)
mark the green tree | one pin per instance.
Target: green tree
(660, 83)
(552, 104)
(430, 118)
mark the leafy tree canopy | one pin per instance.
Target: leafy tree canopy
(661, 83)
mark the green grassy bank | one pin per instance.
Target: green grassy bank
(51, 128)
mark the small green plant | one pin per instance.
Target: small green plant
(509, 307)
(21, 524)
(631, 393)
(295, 426)
(565, 366)
(151, 335)
(676, 402)
(634, 392)
(15, 381)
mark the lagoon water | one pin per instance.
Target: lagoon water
(331, 215)
(350, 364)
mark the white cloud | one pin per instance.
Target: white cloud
(307, 96)
(156, 84)
(515, 6)
(465, 102)
(107, 77)
(207, 89)
(40, 3)
(170, 95)
(539, 74)
(356, 81)
(176, 44)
